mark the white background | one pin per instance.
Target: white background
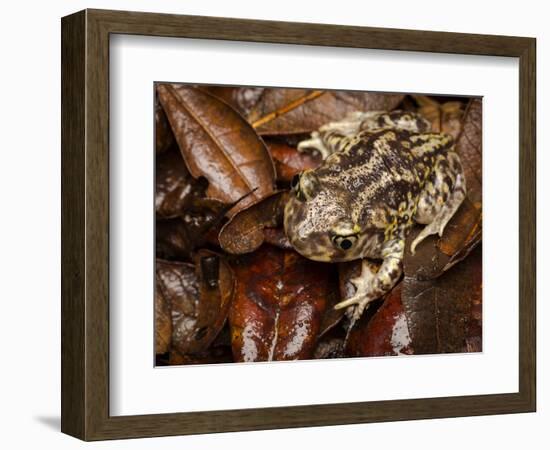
(136, 387)
(30, 237)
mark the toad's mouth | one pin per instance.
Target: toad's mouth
(313, 251)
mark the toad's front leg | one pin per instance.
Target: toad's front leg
(369, 286)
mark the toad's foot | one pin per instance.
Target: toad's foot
(332, 136)
(315, 143)
(364, 288)
(435, 227)
(447, 211)
(370, 286)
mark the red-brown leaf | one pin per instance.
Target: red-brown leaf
(289, 161)
(279, 305)
(386, 333)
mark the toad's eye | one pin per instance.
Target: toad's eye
(344, 242)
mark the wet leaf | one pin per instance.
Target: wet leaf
(468, 146)
(244, 232)
(164, 138)
(279, 305)
(177, 238)
(289, 161)
(175, 188)
(294, 111)
(172, 239)
(219, 145)
(385, 333)
(199, 296)
(439, 310)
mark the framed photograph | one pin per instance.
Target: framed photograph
(270, 224)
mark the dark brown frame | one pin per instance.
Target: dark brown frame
(85, 224)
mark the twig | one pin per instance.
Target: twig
(289, 107)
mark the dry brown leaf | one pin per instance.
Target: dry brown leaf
(164, 138)
(277, 237)
(163, 324)
(199, 296)
(463, 230)
(175, 188)
(444, 117)
(312, 111)
(242, 98)
(439, 310)
(244, 232)
(468, 146)
(219, 145)
(433, 255)
(176, 238)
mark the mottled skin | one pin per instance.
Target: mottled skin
(381, 173)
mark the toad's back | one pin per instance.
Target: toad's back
(384, 168)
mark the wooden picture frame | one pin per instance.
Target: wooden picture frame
(85, 224)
